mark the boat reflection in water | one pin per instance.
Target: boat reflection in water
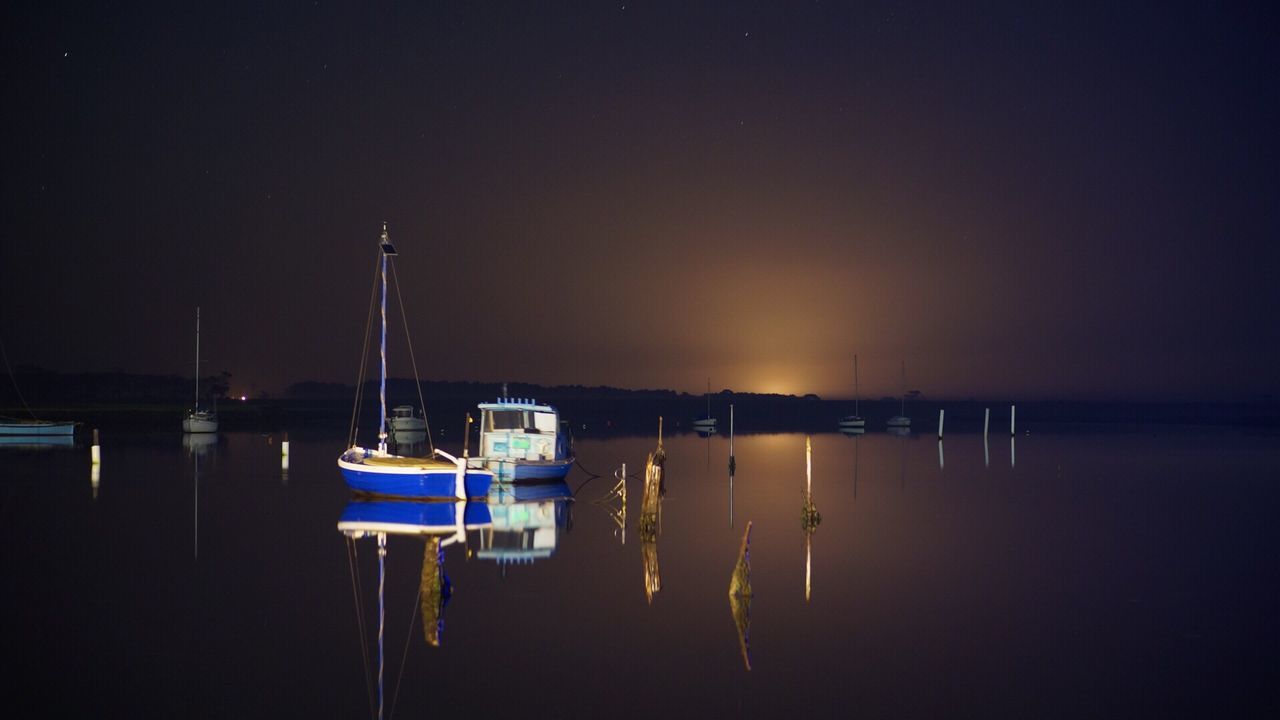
(37, 442)
(199, 446)
(440, 524)
(525, 521)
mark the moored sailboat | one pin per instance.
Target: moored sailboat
(853, 423)
(377, 471)
(706, 424)
(901, 421)
(197, 420)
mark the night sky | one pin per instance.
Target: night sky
(1019, 201)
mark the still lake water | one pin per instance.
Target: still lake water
(1108, 572)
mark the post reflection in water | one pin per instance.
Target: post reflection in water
(650, 524)
(1012, 454)
(740, 597)
(619, 513)
(809, 517)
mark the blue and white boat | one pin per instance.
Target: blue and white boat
(523, 440)
(36, 428)
(376, 471)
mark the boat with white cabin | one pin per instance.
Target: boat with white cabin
(523, 439)
(404, 418)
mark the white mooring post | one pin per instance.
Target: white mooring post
(1013, 409)
(941, 414)
(284, 452)
(986, 422)
(95, 452)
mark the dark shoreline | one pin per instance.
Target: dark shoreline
(615, 416)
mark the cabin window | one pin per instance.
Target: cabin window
(506, 420)
(545, 422)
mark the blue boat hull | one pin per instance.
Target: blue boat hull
(370, 473)
(506, 470)
(437, 485)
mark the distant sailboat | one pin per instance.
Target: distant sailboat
(33, 427)
(199, 421)
(853, 423)
(901, 420)
(705, 423)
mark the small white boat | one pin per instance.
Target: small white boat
(404, 419)
(200, 421)
(854, 421)
(197, 420)
(705, 424)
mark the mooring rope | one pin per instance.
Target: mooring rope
(591, 476)
(14, 380)
(364, 358)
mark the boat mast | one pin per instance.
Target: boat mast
(902, 408)
(855, 384)
(197, 357)
(387, 250)
(708, 398)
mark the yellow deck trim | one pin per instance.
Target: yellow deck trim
(425, 463)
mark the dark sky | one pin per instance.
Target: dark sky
(1018, 200)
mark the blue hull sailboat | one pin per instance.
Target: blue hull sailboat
(378, 472)
(523, 440)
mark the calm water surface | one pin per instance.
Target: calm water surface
(1109, 573)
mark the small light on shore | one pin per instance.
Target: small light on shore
(242, 398)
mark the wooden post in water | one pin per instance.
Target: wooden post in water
(95, 452)
(986, 423)
(733, 464)
(284, 453)
(95, 466)
(808, 466)
(1013, 409)
(941, 413)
